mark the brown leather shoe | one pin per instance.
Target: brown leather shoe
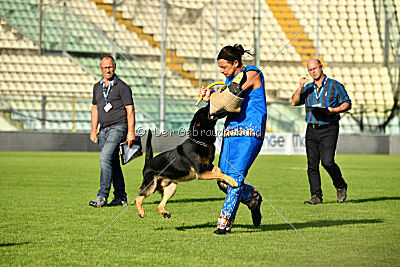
(314, 200)
(341, 194)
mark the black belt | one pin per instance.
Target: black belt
(323, 126)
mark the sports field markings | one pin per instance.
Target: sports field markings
(267, 200)
(111, 222)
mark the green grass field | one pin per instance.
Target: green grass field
(46, 219)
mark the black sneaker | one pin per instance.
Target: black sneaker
(98, 202)
(341, 194)
(314, 200)
(118, 202)
(221, 232)
(256, 213)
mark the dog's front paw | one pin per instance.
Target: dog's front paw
(141, 215)
(229, 180)
(235, 184)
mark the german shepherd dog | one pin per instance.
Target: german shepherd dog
(188, 161)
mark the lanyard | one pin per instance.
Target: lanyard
(108, 89)
(317, 93)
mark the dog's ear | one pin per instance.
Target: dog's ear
(195, 122)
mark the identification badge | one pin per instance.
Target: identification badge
(107, 107)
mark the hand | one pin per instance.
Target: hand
(303, 81)
(130, 137)
(331, 111)
(205, 93)
(93, 136)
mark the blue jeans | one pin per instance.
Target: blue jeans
(109, 140)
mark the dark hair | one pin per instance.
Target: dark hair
(108, 56)
(232, 53)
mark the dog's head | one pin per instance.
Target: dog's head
(202, 126)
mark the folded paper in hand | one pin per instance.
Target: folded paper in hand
(130, 153)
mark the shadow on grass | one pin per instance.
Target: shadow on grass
(362, 200)
(199, 200)
(12, 244)
(285, 226)
(187, 200)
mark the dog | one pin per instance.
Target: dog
(193, 159)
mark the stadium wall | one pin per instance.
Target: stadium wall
(46, 141)
(51, 141)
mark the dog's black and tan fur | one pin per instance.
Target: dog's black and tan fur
(188, 161)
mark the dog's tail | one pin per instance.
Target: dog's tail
(149, 148)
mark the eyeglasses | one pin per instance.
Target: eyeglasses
(315, 68)
(107, 68)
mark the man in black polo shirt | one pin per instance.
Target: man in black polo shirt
(114, 112)
(324, 99)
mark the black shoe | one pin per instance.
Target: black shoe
(314, 200)
(222, 232)
(118, 202)
(256, 213)
(341, 194)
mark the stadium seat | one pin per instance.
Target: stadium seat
(348, 37)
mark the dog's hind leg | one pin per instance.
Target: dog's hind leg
(139, 206)
(168, 192)
(145, 190)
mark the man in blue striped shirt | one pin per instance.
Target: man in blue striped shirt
(324, 99)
